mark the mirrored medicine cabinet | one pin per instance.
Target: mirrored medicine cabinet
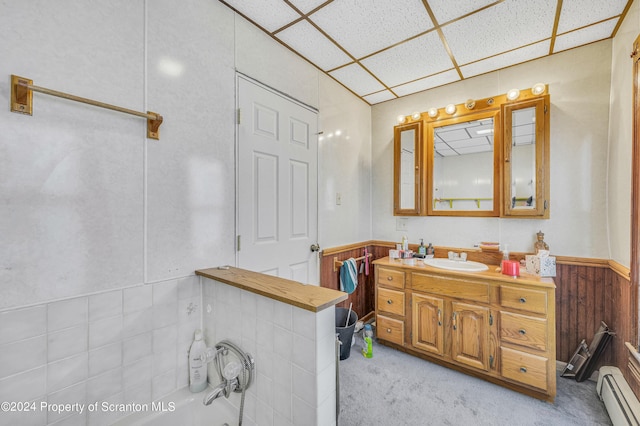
(489, 157)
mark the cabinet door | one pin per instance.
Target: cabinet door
(408, 173)
(470, 334)
(427, 327)
(526, 158)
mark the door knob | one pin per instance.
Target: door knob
(315, 247)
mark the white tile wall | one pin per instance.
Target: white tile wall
(121, 345)
(294, 352)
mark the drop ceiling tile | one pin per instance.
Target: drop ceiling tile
(586, 35)
(376, 98)
(310, 43)
(444, 12)
(357, 79)
(415, 59)
(366, 27)
(447, 152)
(517, 56)
(306, 6)
(453, 135)
(427, 83)
(269, 14)
(501, 28)
(475, 149)
(578, 13)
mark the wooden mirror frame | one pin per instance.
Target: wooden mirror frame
(541, 210)
(493, 113)
(469, 111)
(419, 176)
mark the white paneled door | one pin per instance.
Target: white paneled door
(277, 184)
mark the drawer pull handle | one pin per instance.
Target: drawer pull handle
(389, 278)
(523, 300)
(388, 330)
(523, 369)
(389, 301)
(522, 331)
(439, 318)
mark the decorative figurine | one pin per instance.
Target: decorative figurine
(540, 244)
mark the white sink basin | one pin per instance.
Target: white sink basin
(456, 265)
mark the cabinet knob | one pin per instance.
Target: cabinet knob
(522, 331)
(523, 369)
(523, 300)
(389, 301)
(388, 330)
(389, 278)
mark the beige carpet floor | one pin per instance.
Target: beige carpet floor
(394, 388)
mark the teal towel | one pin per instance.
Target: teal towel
(348, 276)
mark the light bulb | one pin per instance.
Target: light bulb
(401, 118)
(450, 109)
(416, 116)
(538, 89)
(433, 112)
(513, 94)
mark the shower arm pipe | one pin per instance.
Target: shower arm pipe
(22, 102)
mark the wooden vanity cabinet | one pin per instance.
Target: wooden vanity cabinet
(390, 305)
(486, 324)
(457, 330)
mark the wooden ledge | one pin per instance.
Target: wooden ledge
(310, 297)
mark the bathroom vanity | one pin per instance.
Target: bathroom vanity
(486, 324)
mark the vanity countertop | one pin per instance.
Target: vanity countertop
(310, 297)
(419, 266)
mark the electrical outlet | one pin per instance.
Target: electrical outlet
(401, 224)
(338, 198)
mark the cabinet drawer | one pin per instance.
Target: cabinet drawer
(524, 368)
(467, 289)
(391, 278)
(523, 299)
(390, 329)
(523, 330)
(391, 301)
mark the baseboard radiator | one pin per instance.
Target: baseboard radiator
(621, 403)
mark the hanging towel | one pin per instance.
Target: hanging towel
(348, 276)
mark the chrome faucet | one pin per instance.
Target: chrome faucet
(457, 256)
(218, 391)
(229, 384)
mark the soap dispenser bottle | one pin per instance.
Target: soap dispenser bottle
(422, 249)
(197, 367)
(430, 250)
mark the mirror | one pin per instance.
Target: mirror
(526, 159)
(463, 164)
(486, 157)
(408, 169)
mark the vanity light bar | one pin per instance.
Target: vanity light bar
(451, 109)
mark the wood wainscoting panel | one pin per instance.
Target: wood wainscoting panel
(586, 295)
(363, 298)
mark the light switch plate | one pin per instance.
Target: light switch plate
(401, 224)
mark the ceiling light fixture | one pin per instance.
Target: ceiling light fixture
(538, 89)
(513, 94)
(416, 115)
(433, 112)
(450, 109)
(401, 118)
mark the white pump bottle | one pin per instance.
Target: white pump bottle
(197, 368)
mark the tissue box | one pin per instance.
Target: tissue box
(544, 266)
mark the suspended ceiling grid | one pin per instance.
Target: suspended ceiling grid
(384, 49)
